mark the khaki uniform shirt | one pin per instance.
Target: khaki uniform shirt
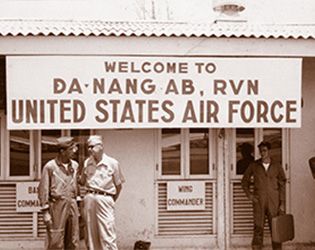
(103, 176)
(57, 182)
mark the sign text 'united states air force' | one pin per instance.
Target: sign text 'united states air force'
(147, 99)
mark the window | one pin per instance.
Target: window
(199, 151)
(245, 140)
(186, 153)
(48, 144)
(20, 153)
(81, 136)
(244, 148)
(171, 149)
(274, 137)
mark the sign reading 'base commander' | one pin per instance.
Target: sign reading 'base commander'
(186, 195)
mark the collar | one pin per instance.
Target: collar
(103, 161)
(59, 164)
(261, 162)
(92, 159)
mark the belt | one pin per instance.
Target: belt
(91, 191)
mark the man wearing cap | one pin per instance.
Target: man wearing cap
(269, 192)
(57, 192)
(103, 179)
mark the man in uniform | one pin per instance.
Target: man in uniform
(269, 192)
(57, 193)
(103, 179)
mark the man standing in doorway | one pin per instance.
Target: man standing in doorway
(57, 192)
(269, 192)
(103, 179)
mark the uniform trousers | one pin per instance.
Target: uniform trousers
(100, 222)
(261, 210)
(64, 231)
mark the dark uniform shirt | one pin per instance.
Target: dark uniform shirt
(268, 185)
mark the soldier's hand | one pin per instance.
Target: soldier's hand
(47, 217)
(282, 209)
(253, 198)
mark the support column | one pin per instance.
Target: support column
(227, 188)
(221, 205)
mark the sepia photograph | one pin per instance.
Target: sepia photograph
(157, 125)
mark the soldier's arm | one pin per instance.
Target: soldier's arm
(43, 194)
(246, 183)
(118, 190)
(281, 185)
(82, 175)
(118, 179)
(43, 189)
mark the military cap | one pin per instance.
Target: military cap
(65, 142)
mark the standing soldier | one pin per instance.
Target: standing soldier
(269, 192)
(57, 193)
(103, 180)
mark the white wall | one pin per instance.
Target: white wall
(302, 148)
(134, 149)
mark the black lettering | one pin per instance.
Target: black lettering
(273, 111)
(59, 85)
(251, 111)
(31, 111)
(75, 87)
(219, 85)
(78, 105)
(98, 86)
(232, 110)
(167, 110)
(171, 87)
(290, 109)
(189, 113)
(109, 67)
(100, 106)
(127, 113)
(18, 119)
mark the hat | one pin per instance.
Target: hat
(264, 144)
(65, 142)
(95, 139)
(312, 165)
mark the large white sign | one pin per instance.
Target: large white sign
(93, 92)
(186, 195)
(26, 197)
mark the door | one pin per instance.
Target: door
(243, 149)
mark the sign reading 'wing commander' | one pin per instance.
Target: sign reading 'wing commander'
(152, 92)
(186, 195)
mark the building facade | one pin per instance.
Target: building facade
(158, 159)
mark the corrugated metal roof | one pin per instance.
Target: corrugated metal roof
(145, 28)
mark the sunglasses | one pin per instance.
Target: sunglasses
(93, 146)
